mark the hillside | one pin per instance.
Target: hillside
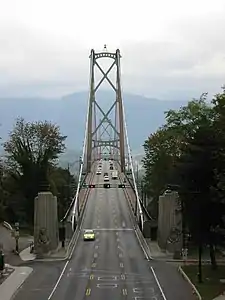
(143, 115)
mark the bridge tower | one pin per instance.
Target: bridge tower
(97, 129)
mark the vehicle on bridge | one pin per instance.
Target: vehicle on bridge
(115, 174)
(106, 177)
(89, 235)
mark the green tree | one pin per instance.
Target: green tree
(164, 147)
(63, 185)
(198, 182)
(31, 150)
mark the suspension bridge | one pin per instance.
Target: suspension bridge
(117, 263)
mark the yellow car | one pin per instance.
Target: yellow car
(89, 235)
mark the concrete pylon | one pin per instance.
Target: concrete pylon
(46, 232)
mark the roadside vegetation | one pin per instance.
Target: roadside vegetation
(30, 165)
(187, 154)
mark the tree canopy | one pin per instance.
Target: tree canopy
(188, 151)
(31, 165)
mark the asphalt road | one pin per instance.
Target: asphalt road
(111, 267)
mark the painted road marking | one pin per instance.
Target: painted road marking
(96, 247)
(95, 255)
(123, 224)
(108, 278)
(120, 255)
(88, 292)
(145, 298)
(157, 281)
(117, 239)
(57, 283)
(98, 226)
(97, 240)
(97, 233)
(91, 277)
(93, 265)
(117, 233)
(112, 229)
(121, 265)
(124, 292)
(107, 286)
(142, 291)
(123, 277)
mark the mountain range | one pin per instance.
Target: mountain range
(143, 116)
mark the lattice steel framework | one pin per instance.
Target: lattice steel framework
(115, 128)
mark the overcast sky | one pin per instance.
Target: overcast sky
(170, 49)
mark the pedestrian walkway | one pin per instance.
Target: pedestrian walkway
(6, 273)
(14, 281)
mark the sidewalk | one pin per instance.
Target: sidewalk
(10, 285)
(158, 254)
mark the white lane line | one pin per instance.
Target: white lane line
(142, 247)
(57, 283)
(95, 255)
(96, 247)
(157, 281)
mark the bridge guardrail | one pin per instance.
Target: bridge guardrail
(138, 232)
(142, 204)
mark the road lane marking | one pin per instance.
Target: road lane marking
(123, 224)
(98, 226)
(91, 277)
(93, 265)
(117, 239)
(120, 254)
(57, 283)
(96, 247)
(106, 286)
(117, 233)
(112, 229)
(124, 292)
(88, 292)
(95, 255)
(121, 265)
(123, 277)
(157, 281)
(97, 240)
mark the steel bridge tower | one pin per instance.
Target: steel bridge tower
(96, 139)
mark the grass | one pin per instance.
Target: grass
(211, 286)
(193, 253)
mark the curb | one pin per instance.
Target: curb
(194, 289)
(7, 293)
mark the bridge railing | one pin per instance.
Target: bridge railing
(146, 213)
(140, 211)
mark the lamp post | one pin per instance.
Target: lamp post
(17, 236)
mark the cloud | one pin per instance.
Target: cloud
(168, 48)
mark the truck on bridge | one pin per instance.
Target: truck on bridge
(115, 174)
